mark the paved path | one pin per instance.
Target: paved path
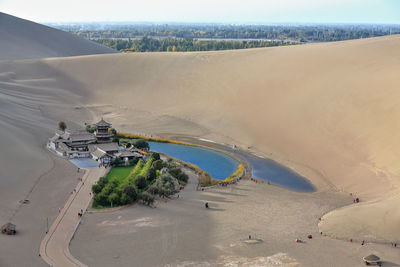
(54, 248)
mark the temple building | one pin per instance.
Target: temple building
(72, 144)
(103, 132)
(82, 144)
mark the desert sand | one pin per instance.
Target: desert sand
(329, 111)
(182, 232)
(23, 39)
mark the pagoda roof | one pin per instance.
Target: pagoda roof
(103, 123)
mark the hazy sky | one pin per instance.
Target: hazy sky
(231, 11)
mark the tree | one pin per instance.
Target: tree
(140, 182)
(62, 126)
(125, 199)
(90, 129)
(157, 164)
(113, 131)
(141, 144)
(102, 181)
(96, 188)
(155, 156)
(113, 198)
(130, 192)
(100, 199)
(152, 174)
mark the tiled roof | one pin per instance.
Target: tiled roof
(99, 153)
(107, 147)
(103, 123)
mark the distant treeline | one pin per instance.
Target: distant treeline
(291, 33)
(146, 44)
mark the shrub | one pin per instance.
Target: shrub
(179, 174)
(146, 198)
(205, 179)
(140, 182)
(157, 164)
(154, 190)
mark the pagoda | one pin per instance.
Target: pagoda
(103, 133)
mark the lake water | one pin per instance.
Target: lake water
(220, 166)
(273, 172)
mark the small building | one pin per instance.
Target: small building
(109, 148)
(8, 229)
(128, 155)
(372, 260)
(71, 144)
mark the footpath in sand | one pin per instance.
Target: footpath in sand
(54, 248)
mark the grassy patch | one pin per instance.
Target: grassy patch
(119, 173)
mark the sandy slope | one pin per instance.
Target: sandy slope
(329, 111)
(182, 233)
(23, 39)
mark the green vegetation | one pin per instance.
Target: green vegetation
(89, 128)
(62, 126)
(200, 37)
(144, 181)
(138, 143)
(147, 44)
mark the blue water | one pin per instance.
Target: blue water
(218, 165)
(273, 172)
(221, 166)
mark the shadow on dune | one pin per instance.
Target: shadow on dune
(33, 98)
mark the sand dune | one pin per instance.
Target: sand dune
(22, 39)
(327, 110)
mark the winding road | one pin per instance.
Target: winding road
(54, 248)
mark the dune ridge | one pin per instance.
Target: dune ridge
(23, 39)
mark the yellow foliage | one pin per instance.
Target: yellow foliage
(155, 139)
(238, 173)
